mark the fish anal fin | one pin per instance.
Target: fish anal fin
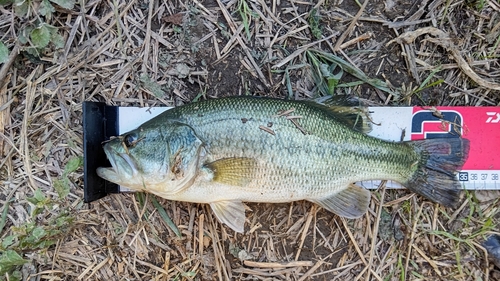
(351, 202)
(231, 213)
(237, 171)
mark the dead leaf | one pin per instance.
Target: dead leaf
(181, 70)
(175, 19)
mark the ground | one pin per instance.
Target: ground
(165, 53)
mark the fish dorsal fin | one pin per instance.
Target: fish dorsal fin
(347, 110)
(339, 100)
(237, 171)
(351, 202)
(231, 213)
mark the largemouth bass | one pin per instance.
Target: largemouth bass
(227, 151)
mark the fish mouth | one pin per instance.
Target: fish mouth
(122, 167)
(108, 173)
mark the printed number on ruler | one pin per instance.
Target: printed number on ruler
(480, 179)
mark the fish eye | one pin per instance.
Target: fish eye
(130, 140)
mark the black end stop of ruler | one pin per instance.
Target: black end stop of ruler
(100, 122)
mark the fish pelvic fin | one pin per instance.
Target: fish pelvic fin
(435, 176)
(237, 171)
(231, 213)
(347, 110)
(350, 203)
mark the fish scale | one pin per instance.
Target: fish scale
(245, 149)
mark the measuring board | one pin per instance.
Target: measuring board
(481, 125)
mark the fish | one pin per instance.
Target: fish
(227, 151)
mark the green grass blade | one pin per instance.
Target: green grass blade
(245, 15)
(3, 218)
(428, 79)
(165, 217)
(347, 67)
(288, 84)
(314, 24)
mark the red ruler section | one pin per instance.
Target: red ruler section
(480, 125)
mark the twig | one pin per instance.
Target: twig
(412, 238)
(311, 270)
(268, 130)
(305, 229)
(231, 24)
(300, 51)
(72, 34)
(411, 60)
(358, 250)
(166, 265)
(6, 66)
(400, 24)
(431, 262)
(350, 28)
(486, 261)
(353, 41)
(277, 264)
(445, 42)
(147, 40)
(4, 114)
(285, 112)
(375, 230)
(297, 125)
(201, 219)
(24, 147)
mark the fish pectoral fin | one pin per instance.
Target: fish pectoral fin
(231, 213)
(351, 202)
(237, 171)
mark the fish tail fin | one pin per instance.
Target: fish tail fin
(435, 177)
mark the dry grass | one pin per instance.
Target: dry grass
(171, 52)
